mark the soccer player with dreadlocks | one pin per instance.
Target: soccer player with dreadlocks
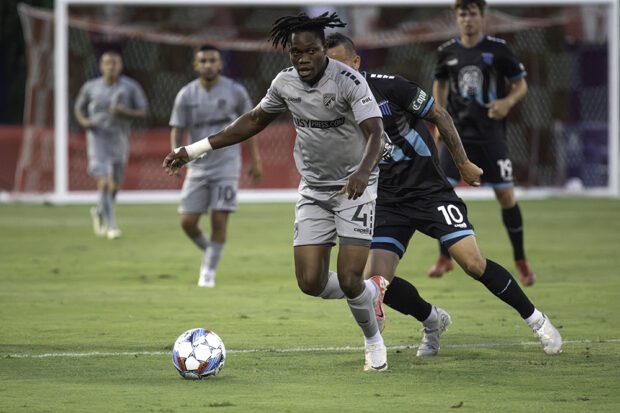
(337, 147)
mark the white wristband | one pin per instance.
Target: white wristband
(198, 149)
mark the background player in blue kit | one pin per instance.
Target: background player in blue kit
(470, 80)
(414, 194)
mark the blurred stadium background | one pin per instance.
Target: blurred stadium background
(563, 137)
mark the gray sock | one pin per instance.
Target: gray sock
(332, 288)
(108, 210)
(101, 205)
(213, 255)
(362, 308)
(201, 241)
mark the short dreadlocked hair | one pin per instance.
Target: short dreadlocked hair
(284, 27)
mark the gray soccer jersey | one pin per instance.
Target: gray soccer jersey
(204, 112)
(330, 144)
(108, 140)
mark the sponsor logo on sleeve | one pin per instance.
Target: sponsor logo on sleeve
(419, 101)
(366, 100)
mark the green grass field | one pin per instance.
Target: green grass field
(86, 324)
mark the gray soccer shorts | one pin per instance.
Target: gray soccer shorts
(107, 155)
(199, 194)
(98, 168)
(318, 224)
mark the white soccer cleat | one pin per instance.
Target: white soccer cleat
(207, 279)
(114, 233)
(381, 284)
(548, 335)
(375, 358)
(429, 346)
(98, 224)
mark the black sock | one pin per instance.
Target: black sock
(499, 281)
(443, 250)
(514, 225)
(403, 297)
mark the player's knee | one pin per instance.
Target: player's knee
(474, 265)
(351, 285)
(505, 198)
(190, 226)
(308, 286)
(218, 230)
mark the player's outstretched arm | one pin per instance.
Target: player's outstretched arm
(442, 119)
(246, 126)
(358, 181)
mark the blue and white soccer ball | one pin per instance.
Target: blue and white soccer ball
(198, 354)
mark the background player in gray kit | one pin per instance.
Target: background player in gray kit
(337, 147)
(470, 81)
(105, 107)
(205, 106)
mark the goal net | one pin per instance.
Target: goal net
(562, 136)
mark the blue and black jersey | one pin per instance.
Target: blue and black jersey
(477, 76)
(410, 166)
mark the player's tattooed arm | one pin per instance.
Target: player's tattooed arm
(442, 119)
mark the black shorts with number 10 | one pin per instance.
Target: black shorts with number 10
(441, 216)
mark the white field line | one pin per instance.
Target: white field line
(291, 350)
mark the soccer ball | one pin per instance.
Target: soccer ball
(198, 354)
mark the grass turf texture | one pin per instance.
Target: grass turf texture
(64, 291)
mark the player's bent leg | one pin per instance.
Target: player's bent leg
(113, 232)
(382, 262)
(380, 269)
(351, 262)
(312, 268)
(219, 225)
(189, 224)
(499, 282)
(99, 227)
(467, 254)
(213, 254)
(362, 299)
(98, 213)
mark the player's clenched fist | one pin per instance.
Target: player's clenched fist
(175, 160)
